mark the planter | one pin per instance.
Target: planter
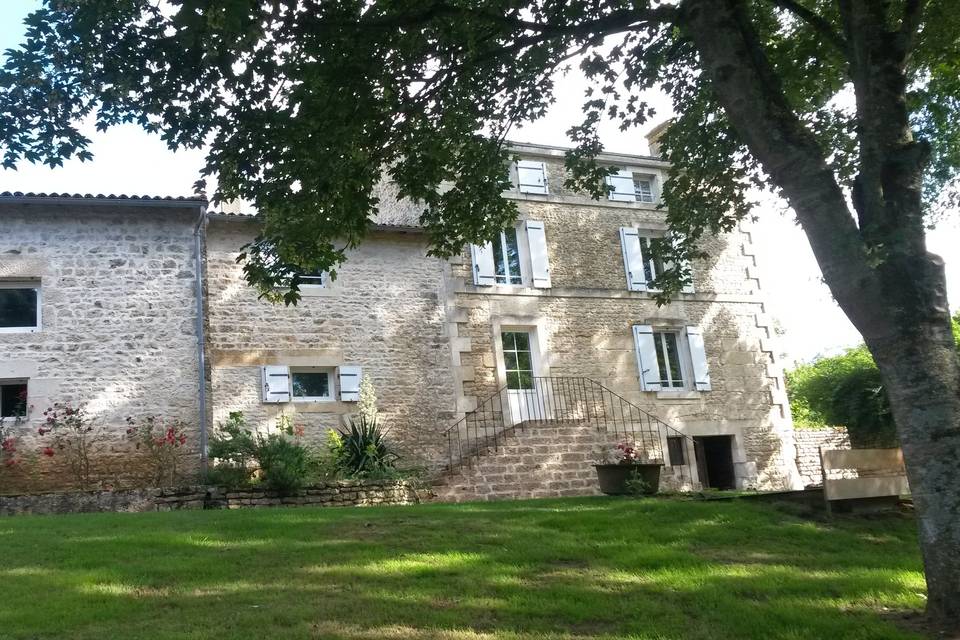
(614, 477)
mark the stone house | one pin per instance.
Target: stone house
(533, 339)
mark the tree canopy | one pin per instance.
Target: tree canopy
(304, 105)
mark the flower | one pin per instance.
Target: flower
(48, 451)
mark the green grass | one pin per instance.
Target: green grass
(572, 569)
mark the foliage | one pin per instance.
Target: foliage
(407, 89)
(75, 439)
(847, 390)
(637, 485)
(625, 453)
(648, 568)
(362, 451)
(278, 459)
(161, 441)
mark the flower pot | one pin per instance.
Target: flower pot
(614, 478)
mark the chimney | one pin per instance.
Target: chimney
(653, 137)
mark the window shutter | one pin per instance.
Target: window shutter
(622, 183)
(484, 272)
(537, 239)
(701, 371)
(532, 176)
(647, 357)
(633, 259)
(348, 378)
(276, 383)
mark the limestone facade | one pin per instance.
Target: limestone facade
(119, 327)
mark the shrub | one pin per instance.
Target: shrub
(74, 437)
(362, 451)
(279, 460)
(161, 442)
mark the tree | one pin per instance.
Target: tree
(845, 107)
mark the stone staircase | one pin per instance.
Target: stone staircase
(535, 459)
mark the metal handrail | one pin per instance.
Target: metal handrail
(566, 399)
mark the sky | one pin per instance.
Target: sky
(128, 160)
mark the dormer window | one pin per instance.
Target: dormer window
(629, 186)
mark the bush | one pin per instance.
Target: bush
(278, 460)
(363, 451)
(846, 390)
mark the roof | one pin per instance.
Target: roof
(72, 198)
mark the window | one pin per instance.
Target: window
(19, 307)
(506, 258)
(531, 176)
(313, 279)
(518, 359)
(13, 399)
(675, 450)
(628, 186)
(671, 358)
(311, 384)
(517, 256)
(640, 261)
(668, 357)
(643, 188)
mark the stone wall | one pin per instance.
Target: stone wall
(340, 494)
(383, 312)
(117, 333)
(809, 442)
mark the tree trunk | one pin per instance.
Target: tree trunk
(899, 305)
(921, 373)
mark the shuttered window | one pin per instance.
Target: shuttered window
(516, 256)
(532, 176)
(673, 359)
(312, 384)
(628, 186)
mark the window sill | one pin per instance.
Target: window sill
(314, 291)
(19, 329)
(684, 394)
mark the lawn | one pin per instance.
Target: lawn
(573, 569)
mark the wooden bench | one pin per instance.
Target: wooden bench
(879, 474)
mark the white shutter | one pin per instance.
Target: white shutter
(623, 189)
(276, 383)
(647, 357)
(348, 379)
(484, 272)
(701, 371)
(531, 176)
(537, 239)
(633, 259)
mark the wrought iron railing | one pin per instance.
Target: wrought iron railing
(573, 399)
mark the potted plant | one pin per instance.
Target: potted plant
(628, 471)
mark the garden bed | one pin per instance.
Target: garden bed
(335, 494)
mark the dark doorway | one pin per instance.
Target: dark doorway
(715, 461)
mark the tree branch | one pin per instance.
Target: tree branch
(816, 21)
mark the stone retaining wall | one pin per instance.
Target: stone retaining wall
(809, 442)
(340, 494)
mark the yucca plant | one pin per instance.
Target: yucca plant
(363, 449)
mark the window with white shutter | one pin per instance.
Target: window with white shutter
(539, 261)
(633, 262)
(348, 378)
(627, 186)
(276, 383)
(484, 273)
(621, 186)
(698, 356)
(647, 357)
(532, 176)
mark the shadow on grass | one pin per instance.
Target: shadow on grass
(574, 569)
